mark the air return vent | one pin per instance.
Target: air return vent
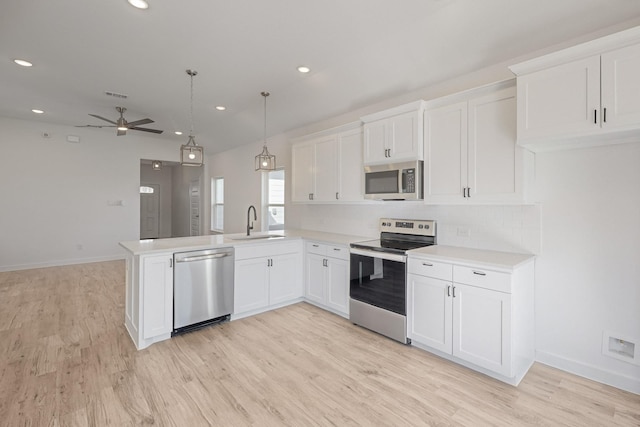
(116, 95)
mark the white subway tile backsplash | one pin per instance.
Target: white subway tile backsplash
(504, 228)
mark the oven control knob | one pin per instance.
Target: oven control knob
(426, 227)
(421, 226)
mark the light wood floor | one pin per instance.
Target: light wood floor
(66, 359)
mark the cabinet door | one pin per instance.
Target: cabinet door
(494, 159)
(621, 88)
(405, 137)
(446, 152)
(325, 170)
(337, 285)
(482, 327)
(302, 166)
(350, 166)
(285, 280)
(157, 283)
(560, 101)
(315, 278)
(251, 281)
(375, 142)
(430, 312)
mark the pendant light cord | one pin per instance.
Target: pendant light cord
(265, 94)
(191, 111)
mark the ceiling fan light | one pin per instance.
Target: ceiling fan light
(140, 4)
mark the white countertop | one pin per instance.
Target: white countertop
(468, 256)
(181, 244)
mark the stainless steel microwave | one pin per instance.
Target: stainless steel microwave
(394, 181)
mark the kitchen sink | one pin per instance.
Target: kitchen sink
(257, 237)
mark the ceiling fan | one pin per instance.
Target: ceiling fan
(122, 124)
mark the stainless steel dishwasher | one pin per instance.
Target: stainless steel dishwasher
(202, 288)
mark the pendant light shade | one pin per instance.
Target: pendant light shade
(264, 160)
(191, 154)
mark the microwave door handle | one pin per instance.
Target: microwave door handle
(403, 181)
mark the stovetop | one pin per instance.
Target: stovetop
(399, 236)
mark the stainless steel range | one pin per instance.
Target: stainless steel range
(378, 287)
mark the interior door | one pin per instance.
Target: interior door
(150, 211)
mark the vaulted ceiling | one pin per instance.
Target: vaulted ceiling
(359, 52)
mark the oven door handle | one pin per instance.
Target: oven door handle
(379, 254)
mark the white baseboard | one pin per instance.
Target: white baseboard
(59, 263)
(614, 379)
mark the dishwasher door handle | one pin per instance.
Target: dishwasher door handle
(202, 257)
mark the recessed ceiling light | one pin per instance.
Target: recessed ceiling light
(140, 4)
(304, 69)
(35, 110)
(23, 62)
(221, 107)
(178, 132)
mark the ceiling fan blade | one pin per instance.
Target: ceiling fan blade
(140, 122)
(94, 126)
(102, 118)
(146, 130)
(121, 132)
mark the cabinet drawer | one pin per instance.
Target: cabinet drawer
(316, 248)
(267, 249)
(340, 252)
(482, 278)
(429, 268)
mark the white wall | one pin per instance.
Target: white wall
(242, 184)
(588, 272)
(55, 195)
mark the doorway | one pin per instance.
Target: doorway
(174, 207)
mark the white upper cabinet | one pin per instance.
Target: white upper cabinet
(620, 76)
(328, 167)
(471, 153)
(394, 135)
(581, 96)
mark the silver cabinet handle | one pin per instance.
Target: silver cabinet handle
(479, 273)
(469, 192)
(595, 116)
(427, 264)
(315, 246)
(449, 290)
(337, 249)
(604, 115)
(337, 196)
(170, 262)
(454, 291)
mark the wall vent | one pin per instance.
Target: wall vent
(621, 348)
(116, 95)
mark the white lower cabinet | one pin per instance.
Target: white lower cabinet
(327, 276)
(266, 276)
(149, 298)
(479, 317)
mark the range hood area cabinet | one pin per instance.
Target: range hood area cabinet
(581, 96)
(471, 154)
(394, 135)
(327, 166)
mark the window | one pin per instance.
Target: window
(274, 199)
(217, 204)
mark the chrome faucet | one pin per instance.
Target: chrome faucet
(255, 218)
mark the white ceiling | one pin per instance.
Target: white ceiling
(360, 52)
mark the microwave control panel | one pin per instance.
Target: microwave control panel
(409, 180)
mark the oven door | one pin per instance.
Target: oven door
(379, 279)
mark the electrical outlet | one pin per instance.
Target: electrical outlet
(464, 232)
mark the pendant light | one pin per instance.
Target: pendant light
(191, 154)
(264, 160)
